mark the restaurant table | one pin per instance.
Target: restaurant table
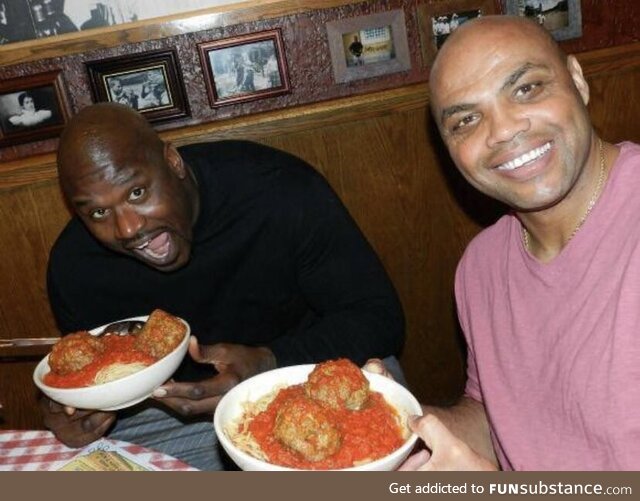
(35, 450)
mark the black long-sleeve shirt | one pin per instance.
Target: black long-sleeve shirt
(276, 261)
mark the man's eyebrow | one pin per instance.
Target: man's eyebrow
(516, 75)
(122, 178)
(80, 202)
(452, 110)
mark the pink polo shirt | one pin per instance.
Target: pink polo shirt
(554, 349)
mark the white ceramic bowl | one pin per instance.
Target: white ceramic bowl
(230, 409)
(118, 394)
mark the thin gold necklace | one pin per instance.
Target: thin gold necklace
(592, 201)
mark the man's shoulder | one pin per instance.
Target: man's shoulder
(247, 162)
(629, 152)
(491, 242)
(240, 151)
(73, 240)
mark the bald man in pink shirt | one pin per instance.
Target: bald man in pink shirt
(549, 296)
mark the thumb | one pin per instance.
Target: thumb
(431, 430)
(194, 350)
(207, 355)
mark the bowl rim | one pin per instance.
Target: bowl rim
(306, 369)
(44, 363)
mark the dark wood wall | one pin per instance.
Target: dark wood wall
(381, 155)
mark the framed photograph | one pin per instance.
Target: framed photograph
(244, 68)
(150, 83)
(438, 19)
(32, 108)
(563, 18)
(368, 46)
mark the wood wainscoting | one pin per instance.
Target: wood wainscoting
(381, 154)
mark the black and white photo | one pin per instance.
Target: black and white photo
(563, 18)
(149, 82)
(437, 20)
(32, 108)
(142, 90)
(244, 68)
(22, 20)
(442, 26)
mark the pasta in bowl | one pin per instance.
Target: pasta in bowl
(90, 370)
(328, 416)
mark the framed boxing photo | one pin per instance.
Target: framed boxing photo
(32, 108)
(368, 46)
(244, 68)
(562, 18)
(149, 82)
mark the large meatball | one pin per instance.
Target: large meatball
(306, 427)
(161, 334)
(338, 384)
(73, 352)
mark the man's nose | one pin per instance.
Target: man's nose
(128, 223)
(505, 124)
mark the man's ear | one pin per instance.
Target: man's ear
(575, 70)
(174, 160)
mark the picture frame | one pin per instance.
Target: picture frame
(368, 46)
(149, 82)
(437, 19)
(563, 19)
(244, 68)
(32, 108)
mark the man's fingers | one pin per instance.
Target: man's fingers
(218, 385)
(430, 429)
(188, 407)
(207, 353)
(194, 350)
(375, 366)
(97, 423)
(416, 461)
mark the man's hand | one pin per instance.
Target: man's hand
(448, 453)
(75, 428)
(375, 366)
(233, 362)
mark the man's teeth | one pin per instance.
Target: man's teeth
(525, 158)
(154, 255)
(142, 245)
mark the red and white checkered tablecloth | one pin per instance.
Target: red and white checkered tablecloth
(41, 451)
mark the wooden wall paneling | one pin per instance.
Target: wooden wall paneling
(30, 219)
(614, 108)
(18, 394)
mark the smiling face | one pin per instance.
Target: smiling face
(133, 192)
(511, 109)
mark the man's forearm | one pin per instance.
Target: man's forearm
(467, 420)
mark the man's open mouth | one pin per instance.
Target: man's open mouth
(157, 250)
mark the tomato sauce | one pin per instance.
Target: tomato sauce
(367, 434)
(117, 349)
